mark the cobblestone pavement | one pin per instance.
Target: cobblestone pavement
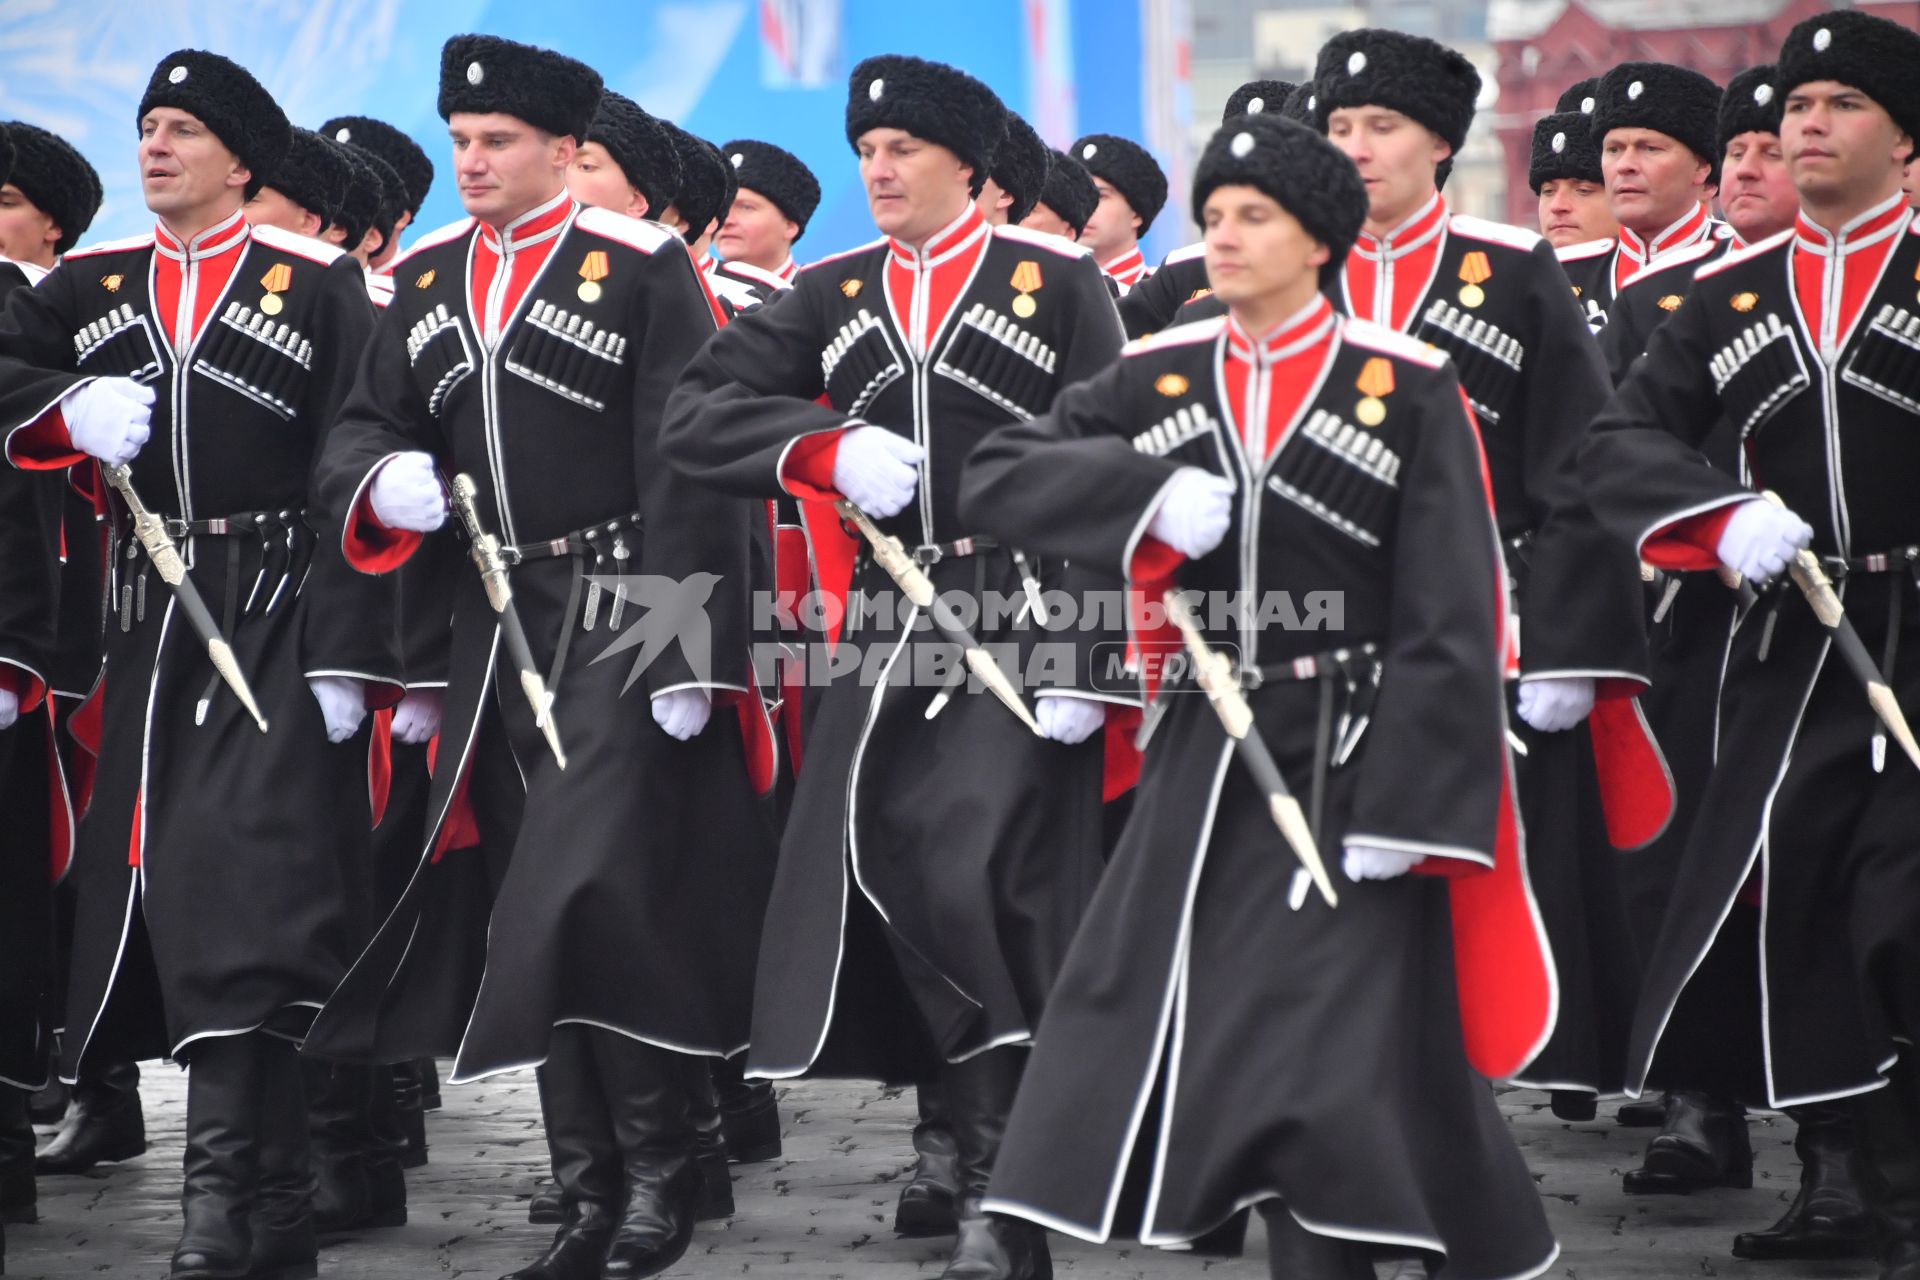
(824, 1211)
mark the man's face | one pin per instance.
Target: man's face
(756, 232)
(1043, 218)
(184, 169)
(1396, 156)
(1114, 227)
(1842, 147)
(505, 166)
(1256, 250)
(595, 178)
(914, 187)
(1653, 180)
(1574, 211)
(26, 234)
(271, 208)
(1756, 191)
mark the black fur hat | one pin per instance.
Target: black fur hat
(1069, 191)
(54, 176)
(1420, 78)
(391, 188)
(1751, 104)
(312, 173)
(641, 146)
(1582, 97)
(550, 91)
(777, 174)
(1256, 96)
(406, 156)
(929, 100)
(357, 211)
(226, 98)
(1676, 101)
(1871, 54)
(706, 181)
(1128, 168)
(1300, 103)
(1310, 178)
(1563, 147)
(1021, 167)
(6, 155)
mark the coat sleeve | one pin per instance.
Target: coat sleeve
(1624, 337)
(749, 395)
(1430, 773)
(1581, 611)
(1150, 305)
(348, 626)
(36, 363)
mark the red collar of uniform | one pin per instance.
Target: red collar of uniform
(1304, 329)
(1693, 227)
(1129, 263)
(1415, 233)
(788, 270)
(223, 236)
(1870, 228)
(539, 223)
(951, 239)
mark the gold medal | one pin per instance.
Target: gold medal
(1024, 306)
(278, 277)
(589, 291)
(593, 269)
(1372, 411)
(1472, 295)
(1475, 271)
(271, 304)
(1375, 381)
(1026, 282)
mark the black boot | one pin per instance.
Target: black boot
(384, 1144)
(104, 1124)
(49, 1103)
(342, 1199)
(216, 1194)
(586, 1163)
(1702, 1144)
(979, 1094)
(1887, 1163)
(1572, 1104)
(748, 1113)
(18, 1195)
(1827, 1219)
(1228, 1240)
(646, 1098)
(410, 1114)
(547, 1205)
(427, 1072)
(1295, 1253)
(709, 1140)
(927, 1202)
(284, 1244)
(1642, 1113)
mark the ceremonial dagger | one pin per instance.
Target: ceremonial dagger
(1215, 673)
(1818, 588)
(151, 530)
(493, 575)
(906, 573)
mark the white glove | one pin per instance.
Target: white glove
(1067, 719)
(406, 494)
(682, 712)
(343, 704)
(1364, 862)
(1196, 512)
(876, 470)
(1760, 539)
(108, 418)
(1553, 703)
(9, 708)
(417, 718)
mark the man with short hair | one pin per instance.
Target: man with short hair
(900, 945)
(1067, 199)
(232, 346)
(1797, 885)
(1132, 190)
(774, 195)
(1654, 125)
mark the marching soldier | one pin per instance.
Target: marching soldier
(1132, 191)
(1067, 199)
(1797, 887)
(1564, 172)
(606, 929)
(627, 163)
(1221, 1034)
(232, 347)
(774, 195)
(902, 944)
(1182, 276)
(403, 155)
(1494, 299)
(303, 195)
(1653, 123)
